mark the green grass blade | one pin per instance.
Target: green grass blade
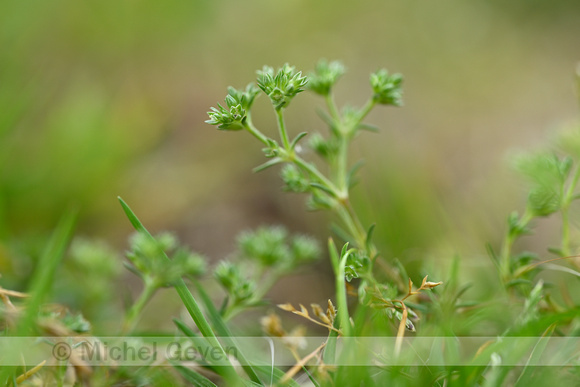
(42, 281)
(276, 375)
(198, 341)
(330, 347)
(223, 331)
(194, 377)
(189, 302)
(137, 225)
(43, 277)
(186, 330)
(312, 379)
(526, 376)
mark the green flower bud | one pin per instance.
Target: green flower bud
(325, 76)
(238, 288)
(267, 245)
(238, 104)
(282, 86)
(387, 88)
(304, 249)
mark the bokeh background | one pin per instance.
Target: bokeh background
(106, 98)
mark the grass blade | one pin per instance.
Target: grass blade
(223, 331)
(41, 282)
(526, 376)
(190, 304)
(43, 277)
(194, 377)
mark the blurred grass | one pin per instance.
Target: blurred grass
(105, 98)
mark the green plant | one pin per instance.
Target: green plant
(374, 299)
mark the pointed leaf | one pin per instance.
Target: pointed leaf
(340, 232)
(322, 188)
(369, 127)
(223, 330)
(350, 178)
(267, 164)
(137, 225)
(344, 250)
(299, 137)
(194, 377)
(369, 237)
(526, 377)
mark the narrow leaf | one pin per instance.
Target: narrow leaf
(228, 372)
(340, 232)
(344, 250)
(369, 127)
(276, 374)
(334, 258)
(492, 255)
(194, 377)
(526, 376)
(223, 330)
(299, 137)
(350, 178)
(326, 118)
(369, 236)
(267, 164)
(43, 276)
(322, 188)
(137, 225)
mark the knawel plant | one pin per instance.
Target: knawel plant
(331, 190)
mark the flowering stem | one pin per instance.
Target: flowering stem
(135, 310)
(255, 132)
(329, 98)
(282, 129)
(366, 109)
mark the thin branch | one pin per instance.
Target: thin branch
(298, 366)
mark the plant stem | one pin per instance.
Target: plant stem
(135, 311)
(565, 231)
(506, 248)
(505, 257)
(329, 98)
(342, 164)
(339, 170)
(190, 304)
(255, 132)
(341, 297)
(266, 283)
(338, 264)
(565, 210)
(299, 161)
(349, 218)
(366, 109)
(282, 129)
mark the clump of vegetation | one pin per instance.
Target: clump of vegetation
(373, 295)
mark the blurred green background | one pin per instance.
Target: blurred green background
(105, 98)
